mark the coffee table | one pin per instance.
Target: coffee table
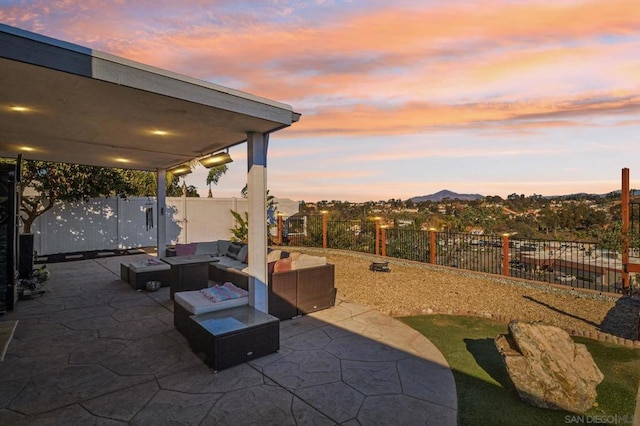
(232, 336)
(189, 272)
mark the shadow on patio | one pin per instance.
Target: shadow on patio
(92, 350)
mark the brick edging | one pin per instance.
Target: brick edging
(595, 335)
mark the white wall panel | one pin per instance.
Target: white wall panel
(70, 227)
(106, 224)
(210, 219)
(136, 222)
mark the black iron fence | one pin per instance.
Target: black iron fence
(570, 263)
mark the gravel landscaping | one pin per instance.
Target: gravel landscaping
(413, 288)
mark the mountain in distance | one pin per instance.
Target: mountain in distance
(445, 193)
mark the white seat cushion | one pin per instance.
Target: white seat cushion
(196, 303)
(306, 261)
(149, 265)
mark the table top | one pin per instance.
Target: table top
(232, 319)
(185, 260)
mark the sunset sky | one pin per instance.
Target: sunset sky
(398, 100)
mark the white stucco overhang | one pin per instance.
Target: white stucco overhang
(67, 103)
(88, 107)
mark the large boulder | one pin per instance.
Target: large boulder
(548, 368)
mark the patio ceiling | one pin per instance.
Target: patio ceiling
(66, 103)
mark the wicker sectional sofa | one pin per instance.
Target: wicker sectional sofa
(298, 283)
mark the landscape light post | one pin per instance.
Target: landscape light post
(279, 237)
(432, 246)
(377, 241)
(505, 255)
(383, 240)
(324, 228)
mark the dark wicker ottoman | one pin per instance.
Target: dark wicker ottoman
(232, 336)
(182, 313)
(181, 319)
(137, 278)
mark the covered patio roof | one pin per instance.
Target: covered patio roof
(66, 103)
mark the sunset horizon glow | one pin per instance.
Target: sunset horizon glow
(398, 100)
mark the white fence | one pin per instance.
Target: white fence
(114, 223)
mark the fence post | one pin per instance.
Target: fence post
(625, 199)
(279, 236)
(377, 250)
(432, 246)
(324, 228)
(383, 240)
(505, 255)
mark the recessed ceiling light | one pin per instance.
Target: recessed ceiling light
(19, 108)
(122, 160)
(159, 132)
(26, 148)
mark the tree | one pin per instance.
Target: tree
(214, 176)
(241, 229)
(55, 182)
(145, 184)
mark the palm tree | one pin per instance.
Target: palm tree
(214, 176)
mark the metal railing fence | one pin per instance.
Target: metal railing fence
(575, 264)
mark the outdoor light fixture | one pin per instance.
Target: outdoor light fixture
(19, 108)
(216, 160)
(180, 170)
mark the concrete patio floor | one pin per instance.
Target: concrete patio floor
(94, 351)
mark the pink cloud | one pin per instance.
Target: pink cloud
(391, 70)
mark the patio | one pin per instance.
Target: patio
(94, 351)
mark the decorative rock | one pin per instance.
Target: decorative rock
(548, 368)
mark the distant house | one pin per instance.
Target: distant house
(475, 230)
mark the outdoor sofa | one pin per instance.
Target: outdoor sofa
(298, 283)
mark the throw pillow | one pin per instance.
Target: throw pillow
(282, 265)
(186, 249)
(243, 254)
(233, 250)
(273, 255)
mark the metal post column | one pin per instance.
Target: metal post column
(257, 144)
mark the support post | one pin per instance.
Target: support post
(505, 255)
(161, 207)
(432, 246)
(257, 144)
(383, 241)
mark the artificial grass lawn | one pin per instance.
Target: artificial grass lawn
(486, 395)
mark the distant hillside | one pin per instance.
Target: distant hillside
(441, 195)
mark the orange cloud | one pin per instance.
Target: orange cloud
(419, 117)
(390, 70)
